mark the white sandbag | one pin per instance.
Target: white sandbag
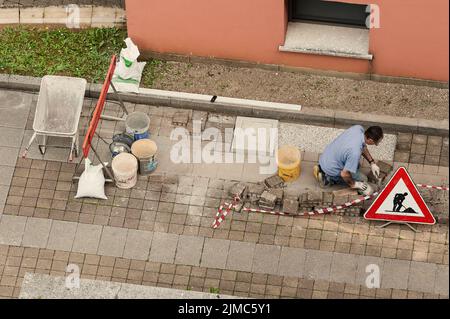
(130, 84)
(92, 182)
(128, 73)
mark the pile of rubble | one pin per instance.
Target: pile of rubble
(272, 195)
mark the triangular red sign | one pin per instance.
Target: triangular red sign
(400, 201)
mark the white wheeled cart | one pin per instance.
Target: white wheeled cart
(58, 111)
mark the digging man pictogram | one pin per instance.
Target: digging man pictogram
(398, 201)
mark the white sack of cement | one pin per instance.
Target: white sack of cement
(128, 73)
(92, 182)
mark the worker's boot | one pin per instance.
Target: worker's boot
(320, 177)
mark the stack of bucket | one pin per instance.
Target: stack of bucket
(133, 151)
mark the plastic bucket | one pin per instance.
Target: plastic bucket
(145, 150)
(117, 148)
(137, 124)
(289, 161)
(125, 167)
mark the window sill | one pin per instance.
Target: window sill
(330, 40)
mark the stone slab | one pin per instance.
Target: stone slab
(292, 262)
(112, 242)
(215, 252)
(87, 238)
(343, 268)
(62, 235)
(442, 280)
(138, 244)
(243, 143)
(40, 286)
(422, 277)
(163, 247)
(395, 274)
(37, 232)
(33, 15)
(189, 250)
(10, 137)
(329, 40)
(9, 16)
(8, 156)
(12, 229)
(240, 256)
(266, 259)
(318, 265)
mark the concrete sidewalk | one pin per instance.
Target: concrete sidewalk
(159, 234)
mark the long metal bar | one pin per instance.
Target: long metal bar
(103, 164)
(120, 99)
(407, 224)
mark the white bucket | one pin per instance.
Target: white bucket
(125, 168)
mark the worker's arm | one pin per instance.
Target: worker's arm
(366, 154)
(373, 165)
(347, 177)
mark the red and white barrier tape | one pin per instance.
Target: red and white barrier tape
(441, 188)
(321, 211)
(220, 217)
(221, 214)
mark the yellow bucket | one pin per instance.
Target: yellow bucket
(289, 160)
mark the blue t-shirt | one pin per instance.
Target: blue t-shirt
(344, 152)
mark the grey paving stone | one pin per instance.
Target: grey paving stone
(366, 264)
(40, 286)
(292, 262)
(62, 235)
(138, 244)
(240, 256)
(8, 156)
(87, 238)
(12, 229)
(14, 109)
(343, 268)
(163, 247)
(112, 242)
(3, 193)
(395, 274)
(442, 281)
(6, 173)
(244, 123)
(266, 259)
(11, 137)
(36, 233)
(215, 252)
(422, 277)
(318, 265)
(189, 250)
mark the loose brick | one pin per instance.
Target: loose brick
(431, 160)
(419, 139)
(418, 149)
(402, 157)
(417, 159)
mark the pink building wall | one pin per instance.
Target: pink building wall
(412, 41)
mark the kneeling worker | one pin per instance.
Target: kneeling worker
(339, 164)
